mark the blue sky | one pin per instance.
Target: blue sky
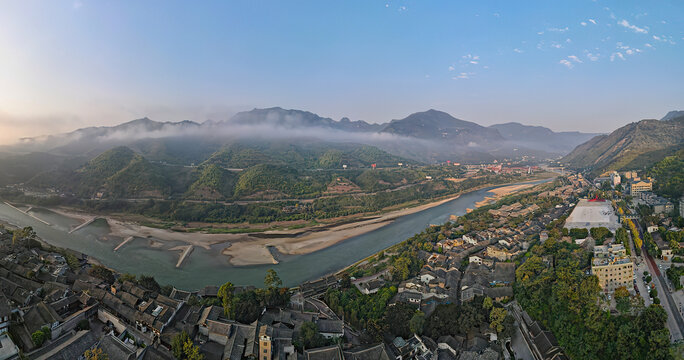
(568, 65)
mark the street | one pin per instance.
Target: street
(666, 299)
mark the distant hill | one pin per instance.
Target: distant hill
(118, 173)
(279, 117)
(296, 138)
(542, 138)
(438, 125)
(628, 145)
(673, 115)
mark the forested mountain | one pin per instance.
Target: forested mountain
(669, 175)
(429, 136)
(631, 146)
(438, 125)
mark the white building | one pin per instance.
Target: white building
(592, 213)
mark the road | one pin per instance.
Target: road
(666, 300)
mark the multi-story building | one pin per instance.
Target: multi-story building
(265, 348)
(638, 186)
(613, 267)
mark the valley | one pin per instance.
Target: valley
(300, 256)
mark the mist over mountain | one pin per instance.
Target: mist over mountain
(429, 136)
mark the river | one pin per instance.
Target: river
(208, 267)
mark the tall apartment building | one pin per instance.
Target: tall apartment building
(613, 267)
(639, 186)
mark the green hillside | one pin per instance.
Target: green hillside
(213, 182)
(137, 178)
(669, 175)
(308, 155)
(628, 146)
(278, 178)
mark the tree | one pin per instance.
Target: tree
(309, 337)
(225, 293)
(622, 300)
(96, 354)
(102, 273)
(183, 348)
(487, 303)
(496, 319)
(192, 351)
(177, 344)
(417, 322)
(345, 283)
(38, 338)
(148, 282)
(272, 280)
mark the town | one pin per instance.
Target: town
(454, 291)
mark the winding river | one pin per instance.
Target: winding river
(209, 267)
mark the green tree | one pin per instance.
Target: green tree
(272, 280)
(177, 344)
(496, 319)
(622, 300)
(487, 303)
(417, 322)
(225, 293)
(309, 337)
(38, 338)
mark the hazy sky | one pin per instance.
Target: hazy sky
(569, 65)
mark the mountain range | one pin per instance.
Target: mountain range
(427, 136)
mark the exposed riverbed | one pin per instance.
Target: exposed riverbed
(207, 266)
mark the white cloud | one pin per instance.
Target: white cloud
(463, 75)
(592, 57)
(451, 68)
(616, 55)
(518, 51)
(558, 29)
(575, 59)
(635, 28)
(556, 45)
(540, 33)
(592, 21)
(648, 45)
(567, 63)
(583, 23)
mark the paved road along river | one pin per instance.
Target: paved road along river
(209, 267)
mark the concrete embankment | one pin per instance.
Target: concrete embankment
(124, 242)
(27, 213)
(83, 225)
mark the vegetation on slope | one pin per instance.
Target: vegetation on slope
(619, 149)
(669, 175)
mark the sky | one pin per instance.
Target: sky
(569, 65)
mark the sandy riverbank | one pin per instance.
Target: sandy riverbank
(246, 249)
(502, 192)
